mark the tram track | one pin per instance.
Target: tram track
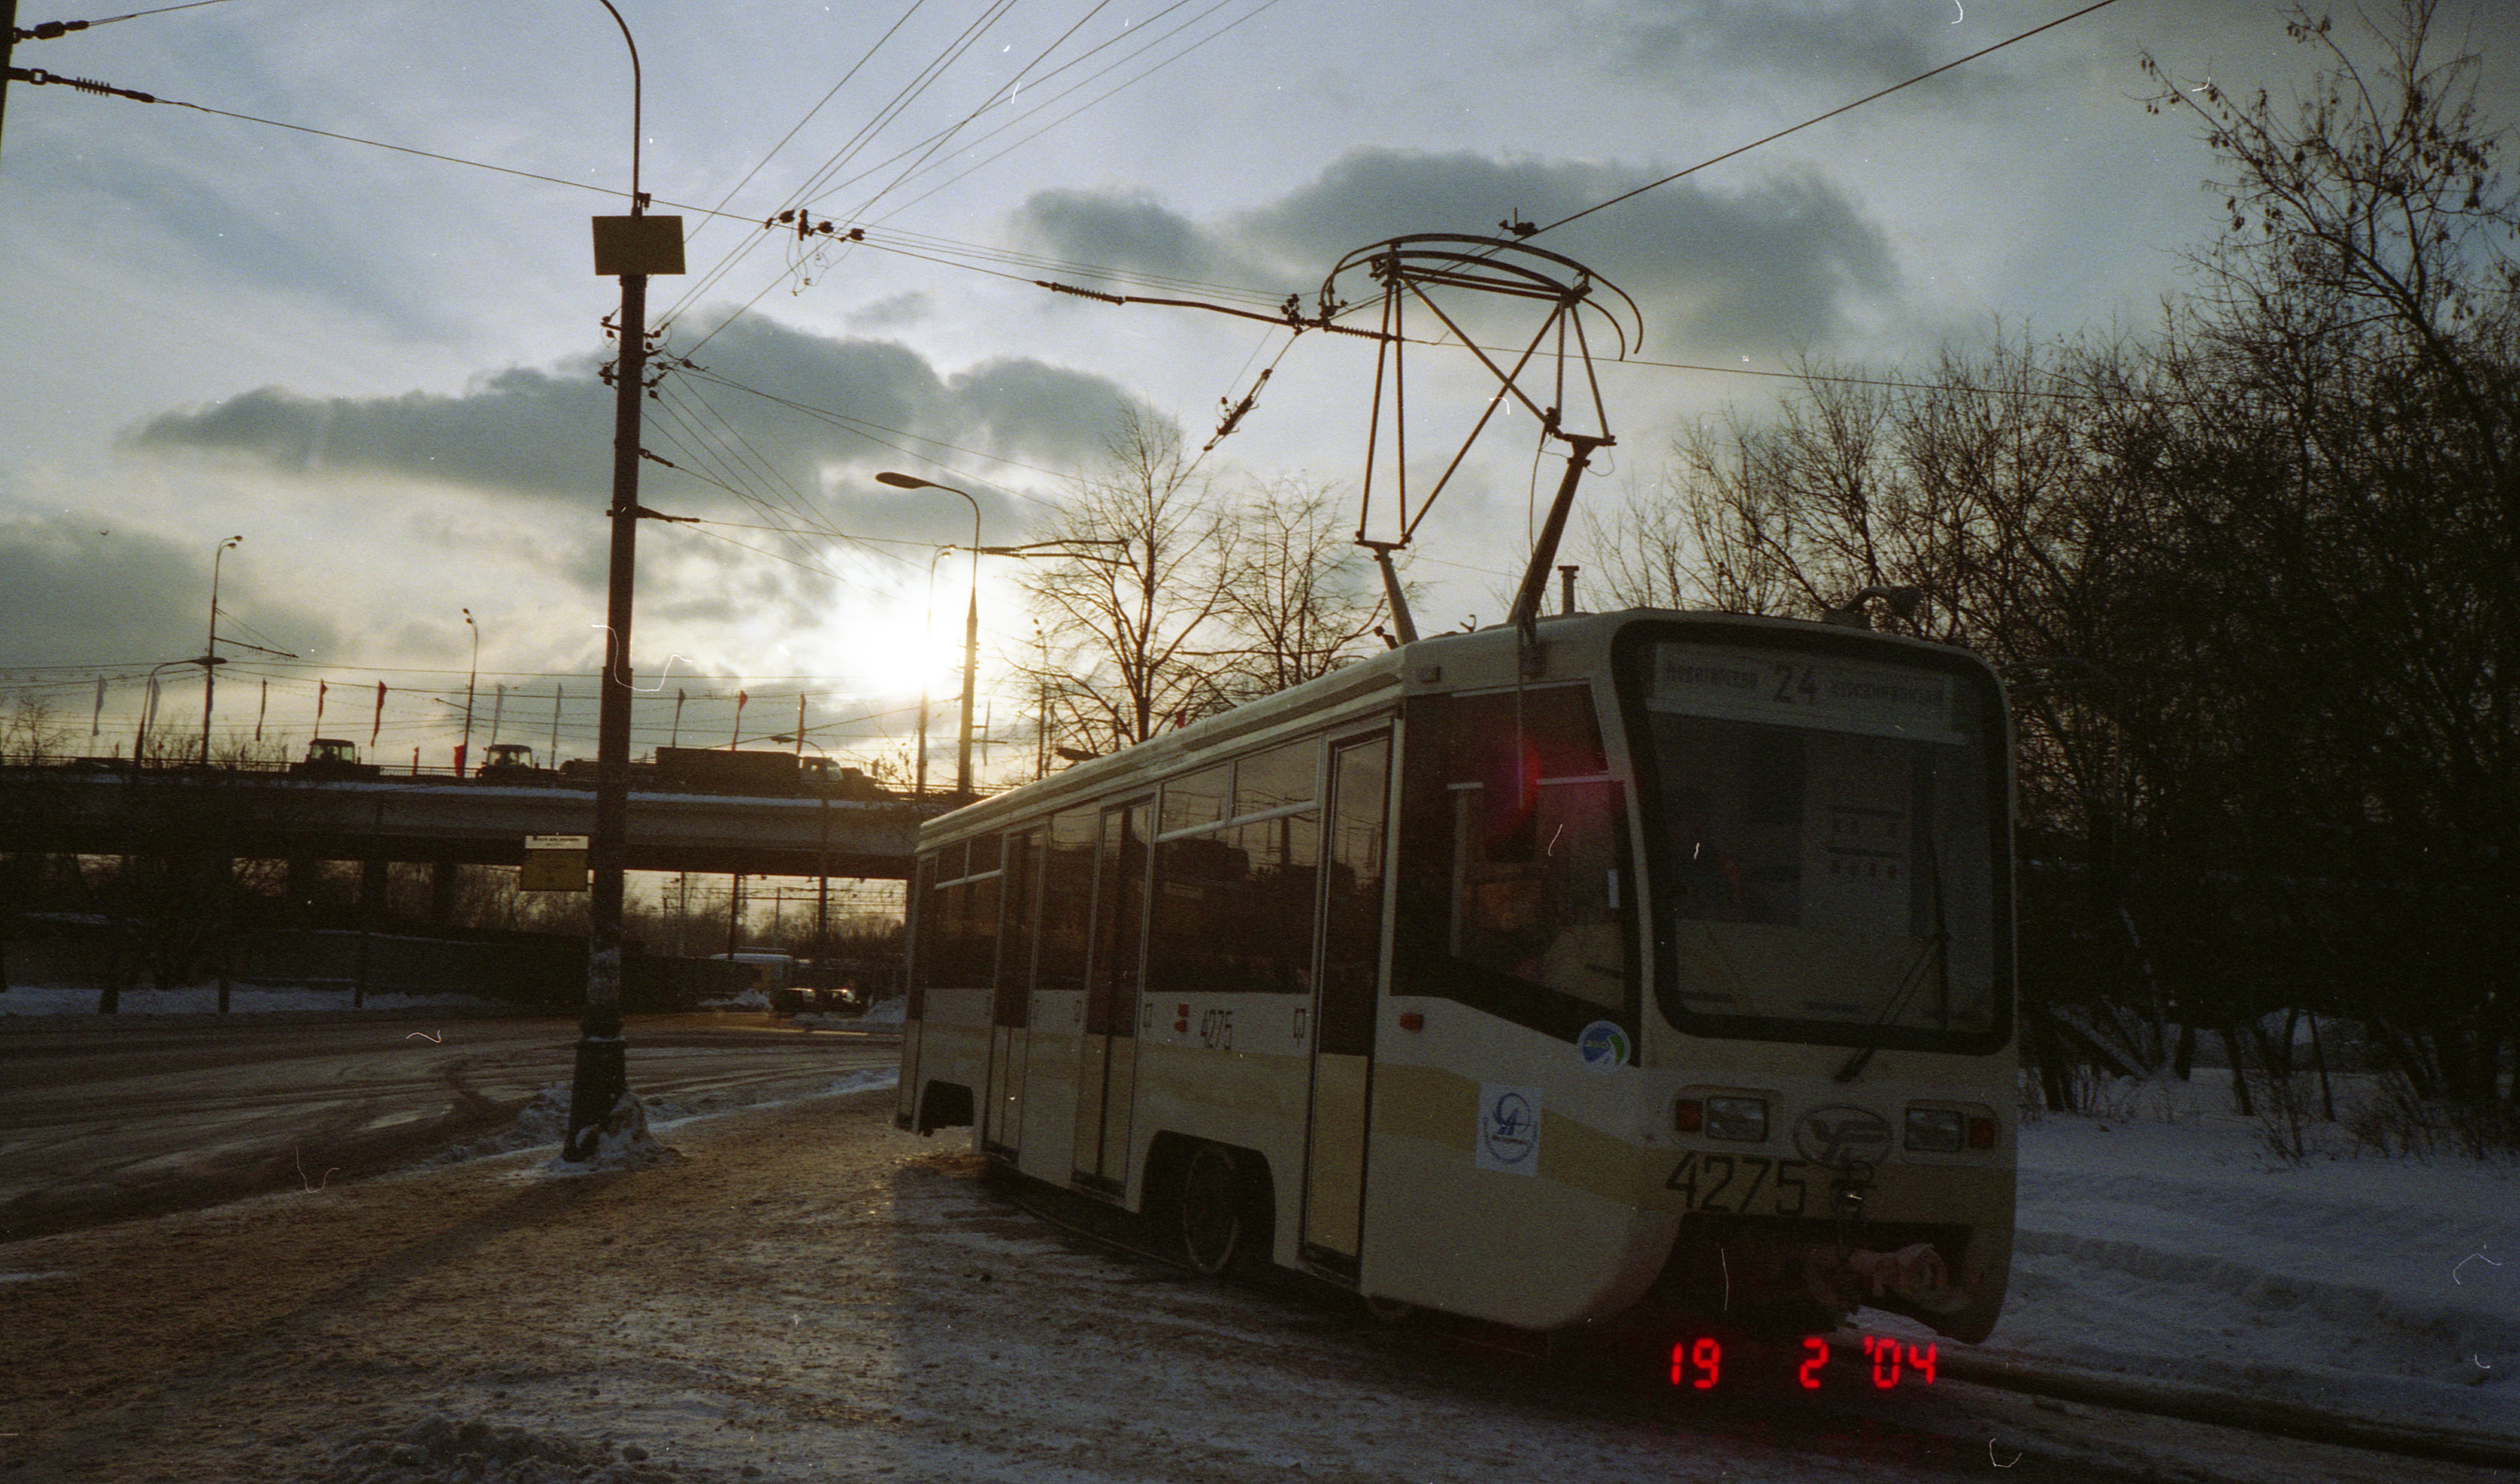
(1951, 1429)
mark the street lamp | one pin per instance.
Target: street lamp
(464, 751)
(211, 660)
(970, 629)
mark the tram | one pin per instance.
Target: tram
(1616, 969)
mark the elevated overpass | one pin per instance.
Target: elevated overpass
(236, 815)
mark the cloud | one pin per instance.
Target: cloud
(83, 590)
(1850, 45)
(1781, 261)
(829, 413)
(893, 313)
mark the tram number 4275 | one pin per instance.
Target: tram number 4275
(1698, 1362)
(1741, 1184)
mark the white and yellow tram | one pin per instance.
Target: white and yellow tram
(1658, 968)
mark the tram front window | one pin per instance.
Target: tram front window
(1822, 847)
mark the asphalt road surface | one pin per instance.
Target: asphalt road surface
(101, 1123)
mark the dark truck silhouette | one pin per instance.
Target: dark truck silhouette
(333, 757)
(512, 763)
(722, 770)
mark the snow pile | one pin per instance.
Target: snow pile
(884, 1012)
(440, 1450)
(543, 1120)
(865, 1081)
(621, 1142)
(750, 999)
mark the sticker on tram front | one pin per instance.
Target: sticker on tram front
(1508, 1141)
(1603, 1046)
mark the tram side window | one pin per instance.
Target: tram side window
(1066, 900)
(1547, 915)
(1233, 904)
(958, 918)
(924, 945)
(1014, 961)
(1516, 888)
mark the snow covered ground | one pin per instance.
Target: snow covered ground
(2170, 1242)
(812, 1295)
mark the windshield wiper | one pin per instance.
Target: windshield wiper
(1937, 949)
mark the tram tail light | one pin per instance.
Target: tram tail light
(1981, 1133)
(1688, 1115)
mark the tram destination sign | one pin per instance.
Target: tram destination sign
(1780, 687)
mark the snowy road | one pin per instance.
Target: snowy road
(101, 1122)
(808, 1294)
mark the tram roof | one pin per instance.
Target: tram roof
(1575, 647)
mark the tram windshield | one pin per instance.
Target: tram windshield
(1824, 849)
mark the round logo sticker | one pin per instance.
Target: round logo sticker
(1605, 1046)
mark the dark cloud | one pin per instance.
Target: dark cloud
(1776, 262)
(834, 411)
(1130, 231)
(520, 431)
(84, 591)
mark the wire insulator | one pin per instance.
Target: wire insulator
(39, 77)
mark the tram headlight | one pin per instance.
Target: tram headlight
(1934, 1130)
(1739, 1118)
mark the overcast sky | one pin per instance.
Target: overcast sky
(380, 368)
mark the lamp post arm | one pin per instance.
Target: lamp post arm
(637, 89)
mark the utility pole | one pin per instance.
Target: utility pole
(464, 750)
(632, 247)
(211, 660)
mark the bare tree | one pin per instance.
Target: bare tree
(1123, 625)
(1299, 594)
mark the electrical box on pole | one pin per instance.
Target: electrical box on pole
(644, 245)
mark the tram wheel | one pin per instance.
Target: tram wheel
(1213, 1226)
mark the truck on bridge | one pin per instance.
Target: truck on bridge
(728, 770)
(333, 757)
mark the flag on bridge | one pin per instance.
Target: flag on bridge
(378, 725)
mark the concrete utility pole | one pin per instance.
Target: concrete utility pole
(632, 247)
(464, 749)
(211, 660)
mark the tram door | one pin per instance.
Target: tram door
(1107, 1057)
(1344, 994)
(1002, 1130)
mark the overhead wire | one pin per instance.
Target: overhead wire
(1818, 118)
(784, 140)
(821, 185)
(902, 98)
(1253, 13)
